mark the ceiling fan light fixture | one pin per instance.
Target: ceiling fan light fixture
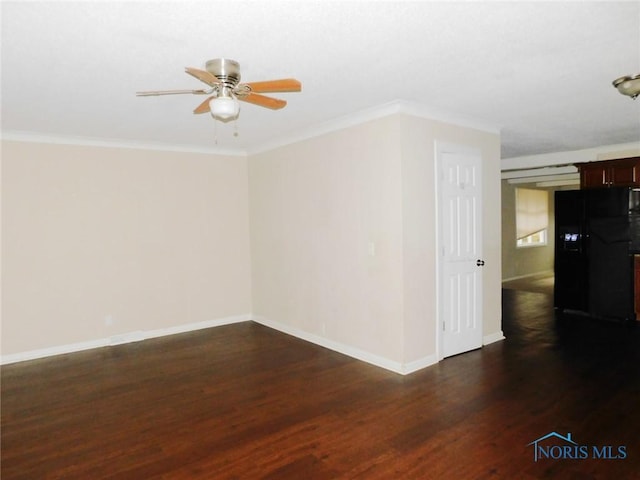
(222, 76)
(224, 108)
(628, 85)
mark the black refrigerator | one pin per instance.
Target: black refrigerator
(597, 234)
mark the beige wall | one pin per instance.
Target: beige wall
(320, 206)
(332, 238)
(521, 262)
(420, 136)
(317, 208)
(145, 239)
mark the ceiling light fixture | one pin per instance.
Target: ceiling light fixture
(224, 107)
(628, 85)
(226, 92)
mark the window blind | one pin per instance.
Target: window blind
(532, 211)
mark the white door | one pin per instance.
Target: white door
(460, 242)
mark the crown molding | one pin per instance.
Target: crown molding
(374, 113)
(440, 115)
(603, 152)
(36, 137)
(333, 125)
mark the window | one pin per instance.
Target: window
(538, 238)
(532, 217)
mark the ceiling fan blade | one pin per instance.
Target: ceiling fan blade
(203, 76)
(171, 92)
(203, 107)
(282, 85)
(263, 101)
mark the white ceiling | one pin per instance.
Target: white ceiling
(541, 71)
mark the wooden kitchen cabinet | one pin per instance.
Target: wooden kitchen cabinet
(624, 172)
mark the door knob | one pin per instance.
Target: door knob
(480, 263)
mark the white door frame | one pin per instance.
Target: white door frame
(439, 149)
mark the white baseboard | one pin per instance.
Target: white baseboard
(493, 337)
(51, 351)
(190, 327)
(119, 339)
(137, 336)
(419, 364)
(528, 275)
(348, 350)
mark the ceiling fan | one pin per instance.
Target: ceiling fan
(222, 75)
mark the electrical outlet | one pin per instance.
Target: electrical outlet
(108, 320)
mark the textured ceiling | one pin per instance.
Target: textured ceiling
(541, 71)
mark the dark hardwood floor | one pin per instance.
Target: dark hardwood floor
(540, 283)
(246, 402)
